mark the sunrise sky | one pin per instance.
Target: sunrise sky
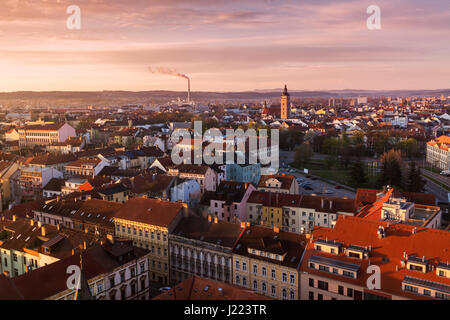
(224, 45)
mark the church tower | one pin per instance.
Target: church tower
(285, 104)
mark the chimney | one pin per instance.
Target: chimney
(43, 231)
(189, 91)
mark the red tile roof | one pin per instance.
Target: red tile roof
(196, 288)
(150, 211)
(386, 252)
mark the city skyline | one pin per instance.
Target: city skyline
(228, 46)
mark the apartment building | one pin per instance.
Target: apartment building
(412, 261)
(92, 216)
(9, 176)
(229, 202)
(45, 134)
(296, 213)
(204, 175)
(26, 244)
(148, 223)
(33, 180)
(438, 153)
(202, 247)
(267, 261)
(115, 270)
(279, 183)
(87, 167)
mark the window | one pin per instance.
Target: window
(255, 269)
(319, 297)
(311, 282)
(273, 274)
(99, 287)
(244, 266)
(442, 296)
(292, 294)
(335, 271)
(349, 292)
(122, 276)
(237, 265)
(264, 271)
(348, 274)
(14, 257)
(244, 281)
(238, 281)
(426, 292)
(255, 285)
(411, 289)
(341, 290)
(284, 294)
(264, 287)
(311, 295)
(292, 277)
(142, 266)
(322, 285)
(273, 290)
(415, 267)
(284, 277)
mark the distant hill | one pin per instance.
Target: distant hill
(73, 98)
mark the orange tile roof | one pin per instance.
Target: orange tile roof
(386, 252)
(196, 288)
(149, 211)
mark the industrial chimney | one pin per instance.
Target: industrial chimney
(189, 91)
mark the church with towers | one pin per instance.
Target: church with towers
(279, 111)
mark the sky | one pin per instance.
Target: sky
(224, 45)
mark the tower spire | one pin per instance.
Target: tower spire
(83, 291)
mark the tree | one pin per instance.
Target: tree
(302, 155)
(391, 170)
(357, 174)
(414, 182)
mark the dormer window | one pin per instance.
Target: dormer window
(417, 264)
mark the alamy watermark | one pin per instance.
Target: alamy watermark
(74, 20)
(237, 146)
(374, 20)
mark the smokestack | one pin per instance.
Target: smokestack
(189, 91)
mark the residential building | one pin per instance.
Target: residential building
(339, 262)
(267, 261)
(280, 183)
(229, 202)
(113, 271)
(204, 175)
(33, 179)
(148, 223)
(45, 134)
(187, 191)
(438, 153)
(202, 247)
